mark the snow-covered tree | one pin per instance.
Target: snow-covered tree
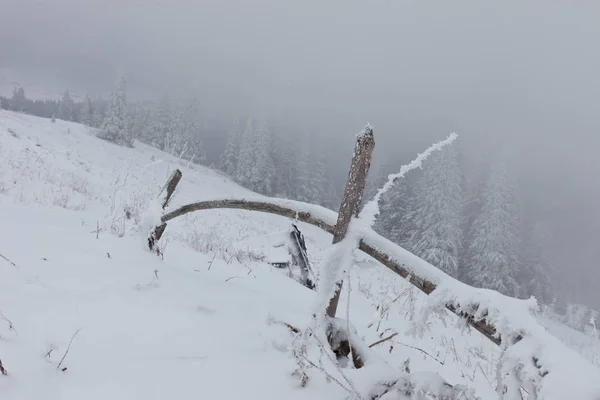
(99, 112)
(86, 116)
(537, 264)
(230, 157)
(114, 128)
(193, 130)
(312, 179)
(66, 108)
(396, 206)
(161, 128)
(18, 100)
(285, 158)
(436, 219)
(255, 168)
(491, 258)
(176, 143)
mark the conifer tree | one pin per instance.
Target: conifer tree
(66, 108)
(18, 100)
(491, 259)
(161, 128)
(436, 220)
(114, 128)
(537, 267)
(230, 157)
(87, 112)
(255, 168)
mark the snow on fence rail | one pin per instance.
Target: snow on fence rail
(531, 359)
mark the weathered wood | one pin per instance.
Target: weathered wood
(423, 285)
(167, 193)
(170, 187)
(298, 248)
(250, 205)
(351, 201)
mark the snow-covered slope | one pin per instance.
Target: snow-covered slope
(205, 321)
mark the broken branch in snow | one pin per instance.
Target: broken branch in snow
(67, 351)
(385, 339)
(2, 370)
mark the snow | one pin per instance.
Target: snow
(200, 322)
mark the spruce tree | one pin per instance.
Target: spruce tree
(18, 100)
(99, 112)
(255, 169)
(436, 220)
(396, 212)
(229, 158)
(193, 130)
(262, 173)
(537, 267)
(114, 128)
(161, 128)
(491, 259)
(66, 108)
(245, 159)
(87, 112)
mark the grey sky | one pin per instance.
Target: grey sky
(521, 74)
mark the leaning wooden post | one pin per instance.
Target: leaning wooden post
(166, 193)
(351, 201)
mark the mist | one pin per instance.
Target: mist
(517, 77)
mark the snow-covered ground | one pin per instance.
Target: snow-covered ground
(205, 321)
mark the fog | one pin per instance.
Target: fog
(517, 76)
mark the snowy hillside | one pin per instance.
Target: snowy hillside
(206, 321)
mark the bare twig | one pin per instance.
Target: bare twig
(68, 348)
(383, 340)
(422, 351)
(332, 359)
(8, 261)
(329, 376)
(49, 353)
(211, 261)
(2, 370)
(11, 326)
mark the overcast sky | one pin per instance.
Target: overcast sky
(521, 74)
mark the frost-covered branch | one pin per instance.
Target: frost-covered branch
(371, 210)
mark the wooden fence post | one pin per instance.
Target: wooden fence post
(168, 191)
(351, 201)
